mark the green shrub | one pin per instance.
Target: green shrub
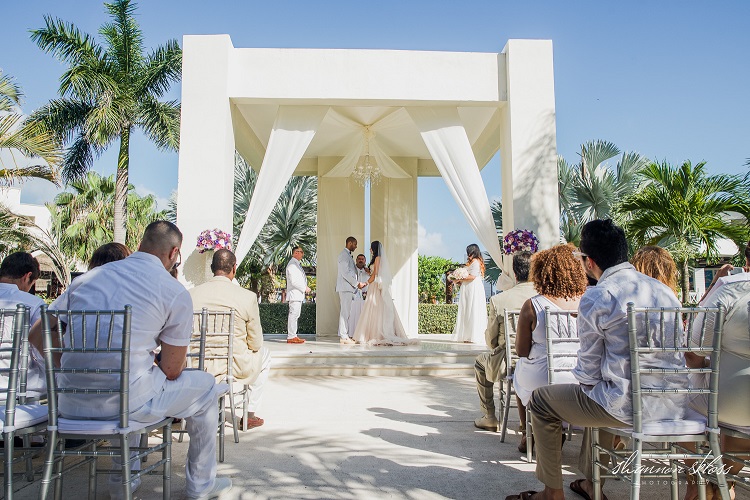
(273, 318)
(437, 318)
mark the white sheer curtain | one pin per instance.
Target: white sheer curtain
(293, 129)
(446, 140)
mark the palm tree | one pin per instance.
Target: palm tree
(683, 208)
(591, 189)
(491, 269)
(107, 92)
(83, 218)
(27, 138)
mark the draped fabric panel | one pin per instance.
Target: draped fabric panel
(448, 144)
(293, 130)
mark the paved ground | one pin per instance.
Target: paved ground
(368, 438)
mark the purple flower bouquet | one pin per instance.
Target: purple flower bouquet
(213, 239)
(520, 240)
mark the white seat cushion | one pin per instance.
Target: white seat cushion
(98, 427)
(26, 415)
(670, 427)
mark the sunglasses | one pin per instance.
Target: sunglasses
(580, 255)
(179, 261)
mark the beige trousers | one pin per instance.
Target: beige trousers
(552, 405)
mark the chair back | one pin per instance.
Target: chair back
(561, 334)
(659, 337)
(510, 321)
(14, 358)
(195, 359)
(94, 348)
(215, 352)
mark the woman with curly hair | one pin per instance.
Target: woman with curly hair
(658, 263)
(560, 281)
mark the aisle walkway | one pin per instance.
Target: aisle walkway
(369, 438)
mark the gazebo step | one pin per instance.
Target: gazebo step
(434, 355)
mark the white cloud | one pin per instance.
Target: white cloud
(430, 243)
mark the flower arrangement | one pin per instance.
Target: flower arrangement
(459, 274)
(213, 239)
(520, 240)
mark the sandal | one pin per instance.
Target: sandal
(524, 495)
(575, 487)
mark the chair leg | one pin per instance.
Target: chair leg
(183, 430)
(92, 472)
(221, 429)
(506, 410)
(721, 480)
(635, 477)
(166, 455)
(596, 472)
(529, 438)
(59, 465)
(49, 461)
(144, 444)
(125, 467)
(8, 468)
(245, 403)
(234, 416)
(674, 484)
(28, 455)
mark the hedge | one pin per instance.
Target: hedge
(437, 318)
(433, 318)
(273, 318)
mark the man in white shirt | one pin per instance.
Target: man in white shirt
(18, 273)
(489, 367)
(363, 274)
(346, 285)
(603, 398)
(296, 288)
(162, 317)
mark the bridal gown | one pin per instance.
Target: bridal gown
(471, 321)
(379, 323)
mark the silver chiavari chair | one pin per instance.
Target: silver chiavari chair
(510, 321)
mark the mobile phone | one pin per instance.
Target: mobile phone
(736, 270)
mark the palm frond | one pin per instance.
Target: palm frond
(10, 93)
(161, 68)
(63, 117)
(123, 36)
(78, 159)
(66, 42)
(161, 122)
(594, 153)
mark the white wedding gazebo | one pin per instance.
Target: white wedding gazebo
(324, 112)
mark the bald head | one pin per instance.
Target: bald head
(163, 240)
(223, 262)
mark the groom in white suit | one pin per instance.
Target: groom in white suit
(346, 285)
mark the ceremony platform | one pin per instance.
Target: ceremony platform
(435, 355)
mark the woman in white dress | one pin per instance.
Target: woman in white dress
(379, 323)
(560, 281)
(471, 321)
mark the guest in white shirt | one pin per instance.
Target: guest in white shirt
(296, 288)
(18, 273)
(162, 316)
(603, 398)
(363, 274)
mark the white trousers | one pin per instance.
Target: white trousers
(255, 390)
(295, 309)
(354, 314)
(346, 308)
(192, 397)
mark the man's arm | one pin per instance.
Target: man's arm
(296, 278)
(172, 360)
(588, 371)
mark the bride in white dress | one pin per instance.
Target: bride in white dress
(379, 323)
(471, 321)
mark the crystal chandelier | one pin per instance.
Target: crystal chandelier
(366, 172)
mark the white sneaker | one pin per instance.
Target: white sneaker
(221, 486)
(346, 340)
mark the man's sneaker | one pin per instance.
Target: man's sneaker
(346, 340)
(221, 486)
(488, 423)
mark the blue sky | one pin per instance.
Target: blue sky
(668, 79)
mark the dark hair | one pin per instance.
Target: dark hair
(223, 261)
(297, 248)
(361, 255)
(109, 252)
(473, 252)
(18, 264)
(521, 266)
(605, 243)
(351, 239)
(375, 247)
(556, 273)
(160, 236)
(747, 250)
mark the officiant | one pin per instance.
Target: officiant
(363, 274)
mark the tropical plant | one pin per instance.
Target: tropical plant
(683, 209)
(82, 219)
(491, 269)
(292, 222)
(431, 277)
(591, 189)
(30, 140)
(108, 91)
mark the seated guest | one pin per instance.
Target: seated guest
(489, 367)
(109, 252)
(162, 316)
(252, 361)
(18, 273)
(730, 288)
(603, 397)
(658, 263)
(560, 281)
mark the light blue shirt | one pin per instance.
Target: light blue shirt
(603, 367)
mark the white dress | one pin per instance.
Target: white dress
(531, 372)
(471, 321)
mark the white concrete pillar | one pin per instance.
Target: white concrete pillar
(205, 181)
(393, 222)
(341, 213)
(528, 144)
